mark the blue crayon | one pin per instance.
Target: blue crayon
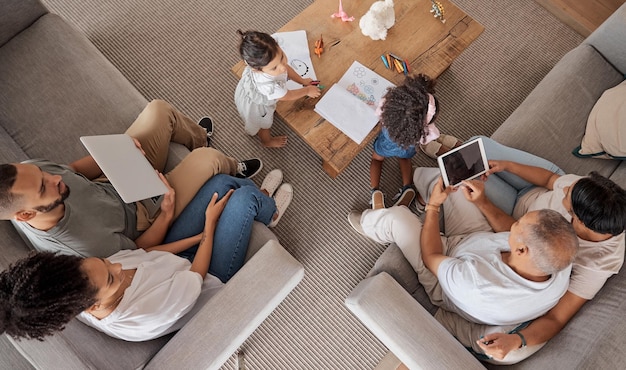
(384, 61)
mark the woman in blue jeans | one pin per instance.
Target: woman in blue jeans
(142, 294)
(232, 234)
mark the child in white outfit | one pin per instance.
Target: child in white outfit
(263, 83)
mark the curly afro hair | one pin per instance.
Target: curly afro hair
(405, 108)
(257, 49)
(40, 294)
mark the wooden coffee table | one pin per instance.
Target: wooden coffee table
(428, 44)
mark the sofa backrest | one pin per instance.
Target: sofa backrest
(609, 39)
(17, 15)
(551, 121)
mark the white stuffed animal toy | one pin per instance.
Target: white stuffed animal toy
(378, 20)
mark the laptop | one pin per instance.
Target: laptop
(127, 169)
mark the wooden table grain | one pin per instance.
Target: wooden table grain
(429, 45)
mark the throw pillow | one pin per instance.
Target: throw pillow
(605, 135)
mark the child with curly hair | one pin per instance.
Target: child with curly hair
(407, 114)
(262, 84)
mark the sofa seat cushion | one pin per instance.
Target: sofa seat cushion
(93, 348)
(551, 121)
(56, 86)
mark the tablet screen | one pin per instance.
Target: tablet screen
(463, 163)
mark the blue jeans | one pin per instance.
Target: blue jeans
(504, 188)
(232, 233)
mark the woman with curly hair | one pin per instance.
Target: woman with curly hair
(407, 114)
(142, 294)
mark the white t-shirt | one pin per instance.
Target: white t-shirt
(159, 299)
(479, 286)
(595, 261)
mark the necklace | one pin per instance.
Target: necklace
(118, 299)
(112, 304)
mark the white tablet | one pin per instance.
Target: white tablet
(463, 163)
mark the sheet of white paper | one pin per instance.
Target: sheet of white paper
(296, 47)
(344, 111)
(350, 104)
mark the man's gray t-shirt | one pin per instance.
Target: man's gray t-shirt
(96, 222)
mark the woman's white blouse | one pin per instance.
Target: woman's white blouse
(162, 293)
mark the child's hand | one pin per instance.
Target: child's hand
(312, 91)
(306, 81)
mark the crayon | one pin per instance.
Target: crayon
(406, 65)
(388, 60)
(384, 61)
(406, 69)
(398, 66)
(395, 56)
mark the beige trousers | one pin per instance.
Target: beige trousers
(158, 125)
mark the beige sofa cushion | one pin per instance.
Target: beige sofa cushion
(605, 135)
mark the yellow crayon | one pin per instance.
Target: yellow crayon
(398, 66)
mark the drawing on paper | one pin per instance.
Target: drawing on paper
(300, 67)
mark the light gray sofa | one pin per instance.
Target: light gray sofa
(54, 87)
(549, 123)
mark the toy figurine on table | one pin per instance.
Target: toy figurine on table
(319, 47)
(437, 10)
(341, 14)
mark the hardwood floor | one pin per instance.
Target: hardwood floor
(584, 16)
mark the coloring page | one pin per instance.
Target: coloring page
(365, 84)
(350, 104)
(296, 48)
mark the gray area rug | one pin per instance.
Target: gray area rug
(182, 51)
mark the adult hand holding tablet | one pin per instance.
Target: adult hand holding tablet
(465, 162)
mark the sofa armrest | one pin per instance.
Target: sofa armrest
(209, 339)
(405, 327)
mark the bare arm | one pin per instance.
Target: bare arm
(535, 175)
(295, 76)
(310, 91)
(430, 241)
(539, 331)
(202, 260)
(307, 90)
(87, 167)
(177, 246)
(474, 191)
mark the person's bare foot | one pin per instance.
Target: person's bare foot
(275, 142)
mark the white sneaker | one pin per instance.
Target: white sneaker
(283, 198)
(272, 181)
(354, 219)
